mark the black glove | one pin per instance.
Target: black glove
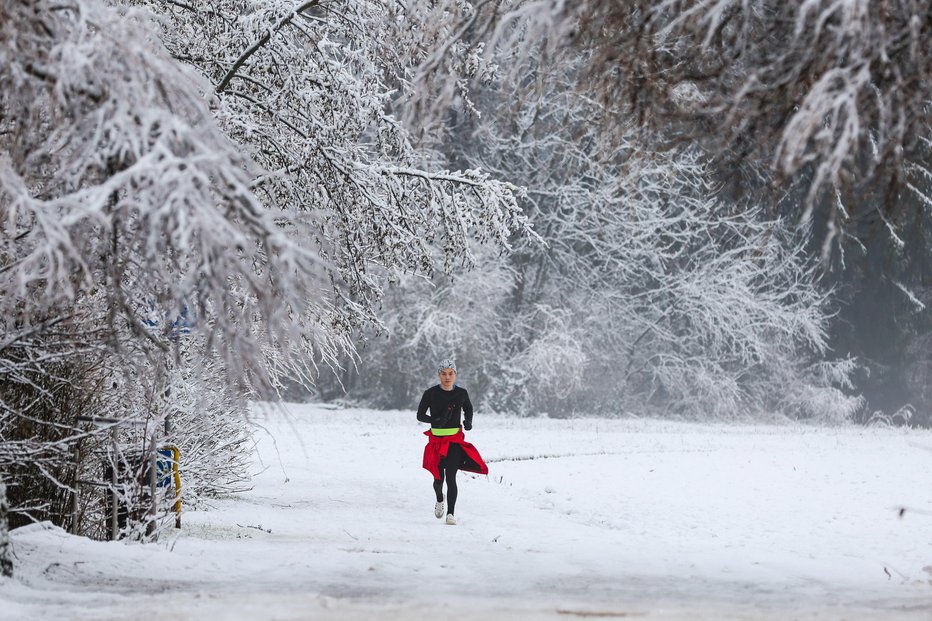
(467, 425)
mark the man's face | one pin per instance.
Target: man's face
(447, 377)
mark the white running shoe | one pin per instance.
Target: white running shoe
(438, 510)
(451, 520)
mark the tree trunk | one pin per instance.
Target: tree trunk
(6, 554)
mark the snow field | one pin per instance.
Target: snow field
(578, 518)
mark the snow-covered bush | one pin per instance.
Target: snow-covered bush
(188, 403)
(48, 377)
(826, 392)
(209, 425)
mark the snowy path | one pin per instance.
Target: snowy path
(612, 519)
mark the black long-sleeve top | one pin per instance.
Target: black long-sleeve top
(445, 407)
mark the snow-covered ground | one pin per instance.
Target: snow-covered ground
(577, 519)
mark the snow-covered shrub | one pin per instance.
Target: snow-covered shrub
(905, 416)
(543, 374)
(187, 402)
(209, 425)
(825, 393)
(48, 377)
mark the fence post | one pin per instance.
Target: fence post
(74, 493)
(153, 482)
(114, 520)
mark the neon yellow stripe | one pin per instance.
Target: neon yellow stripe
(449, 431)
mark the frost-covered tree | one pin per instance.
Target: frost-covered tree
(124, 206)
(831, 96)
(685, 301)
(425, 320)
(120, 201)
(308, 87)
(648, 293)
(116, 182)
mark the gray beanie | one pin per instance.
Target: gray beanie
(446, 364)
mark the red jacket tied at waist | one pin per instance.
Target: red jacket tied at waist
(437, 447)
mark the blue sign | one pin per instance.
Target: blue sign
(181, 325)
(164, 462)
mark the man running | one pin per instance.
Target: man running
(447, 450)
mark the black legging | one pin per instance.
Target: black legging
(448, 467)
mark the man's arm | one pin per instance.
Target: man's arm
(422, 407)
(467, 412)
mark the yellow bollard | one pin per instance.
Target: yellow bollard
(176, 459)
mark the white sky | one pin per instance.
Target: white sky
(637, 518)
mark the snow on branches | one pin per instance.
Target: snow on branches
(650, 293)
(116, 180)
(251, 199)
(821, 94)
(308, 89)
